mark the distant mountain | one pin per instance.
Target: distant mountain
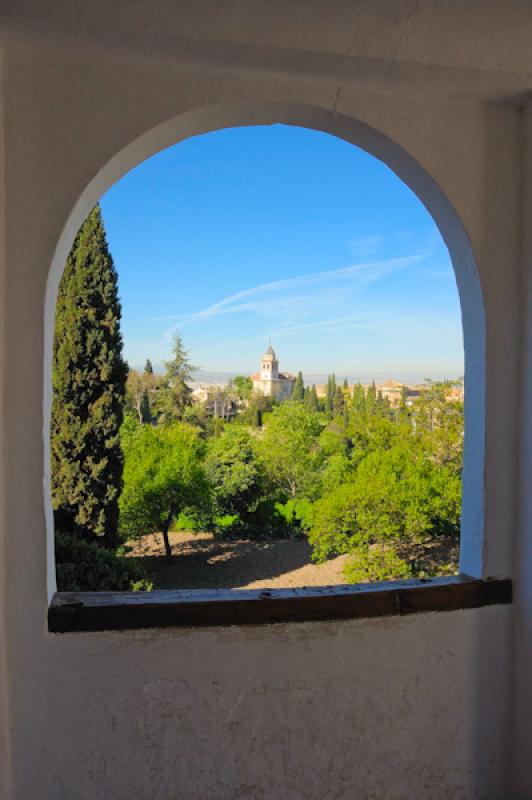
(207, 376)
(157, 368)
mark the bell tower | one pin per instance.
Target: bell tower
(269, 368)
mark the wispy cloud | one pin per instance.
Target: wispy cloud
(383, 335)
(318, 308)
(282, 299)
(363, 246)
(355, 321)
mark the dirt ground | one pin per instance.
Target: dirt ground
(202, 562)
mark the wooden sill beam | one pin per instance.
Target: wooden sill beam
(112, 611)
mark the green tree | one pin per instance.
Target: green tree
(243, 387)
(289, 449)
(311, 399)
(234, 473)
(404, 398)
(163, 477)
(148, 368)
(176, 393)
(338, 402)
(145, 410)
(329, 396)
(375, 509)
(138, 400)
(298, 392)
(332, 440)
(402, 486)
(89, 376)
(371, 398)
(359, 399)
(258, 405)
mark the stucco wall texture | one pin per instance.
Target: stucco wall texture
(433, 706)
(353, 710)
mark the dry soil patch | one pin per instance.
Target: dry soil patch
(202, 561)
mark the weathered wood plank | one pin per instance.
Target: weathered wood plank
(99, 611)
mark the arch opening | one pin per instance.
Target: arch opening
(412, 174)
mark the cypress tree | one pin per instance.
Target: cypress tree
(314, 398)
(145, 410)
(329, 397)
(345, 414)
(149, 398)
(359, 399)
(311, 399)
(338, 402)
(380, 403)
(298, 392)
(371, 398)
(89, 376)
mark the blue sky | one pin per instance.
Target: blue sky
(239, 235)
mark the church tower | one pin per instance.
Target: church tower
(269, 368)
(269, 381)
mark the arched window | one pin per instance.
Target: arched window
(402, 394)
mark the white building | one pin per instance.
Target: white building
(269, 381)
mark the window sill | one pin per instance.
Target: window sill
(100, 611)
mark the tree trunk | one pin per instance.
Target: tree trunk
(111, 539)
(167, 547)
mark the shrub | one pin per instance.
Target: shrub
(84, 566)
(293, 515)
(375, 564)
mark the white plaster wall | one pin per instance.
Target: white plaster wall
(521, 785)
(4, 688)
(350, 711)
(378, 709)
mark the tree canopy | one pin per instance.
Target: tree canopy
(163, 477)
(234, 472)
(402, 486)
(88, 377)
(361, 479)
(176, 393)
(288, 448)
